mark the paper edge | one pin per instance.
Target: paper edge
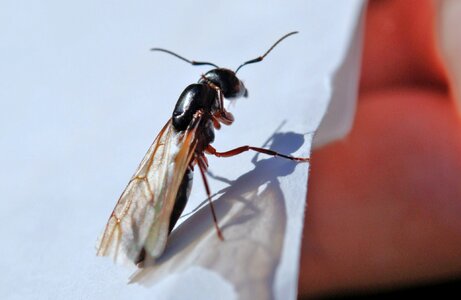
(340, 114)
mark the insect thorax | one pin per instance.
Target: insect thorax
(194, 97)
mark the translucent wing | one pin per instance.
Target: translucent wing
(142, 214)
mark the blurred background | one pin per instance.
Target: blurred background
(385, 202)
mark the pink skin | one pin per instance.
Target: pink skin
(385, 202)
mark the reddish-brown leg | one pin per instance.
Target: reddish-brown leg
(202, 166)
(241, 149)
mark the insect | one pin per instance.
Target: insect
(156, 195)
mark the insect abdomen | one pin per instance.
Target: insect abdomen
(181, 198)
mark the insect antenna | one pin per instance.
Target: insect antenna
(260, 58)
(192, 62)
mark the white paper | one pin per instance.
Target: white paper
(83, 98)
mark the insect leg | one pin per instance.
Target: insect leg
(222, 115)
(202, 167)
(241, 149)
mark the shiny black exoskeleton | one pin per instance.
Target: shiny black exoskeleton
(206, 97)
(227, 81)
(194, 97)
